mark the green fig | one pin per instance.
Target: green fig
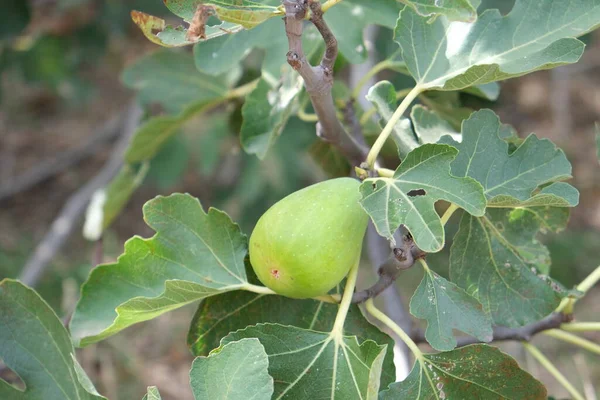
(306, 243)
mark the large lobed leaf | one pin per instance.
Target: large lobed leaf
(235, 371)
(515, 179)
(35, 345)
(192, 256)
(470, 372)
(219, 315)
(409, 196)
(496, 259)
(310, 365)
(446, 306)
(535, 35)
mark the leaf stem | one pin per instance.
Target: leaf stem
(306, 117)
(573, 339)
(329, 4)
(380, 316)
(581, 326)
(590, 281)
(385, 173)
(377, 68)
(425, 265)
(241, 91)
(340, 318)
(552, 369)
(389, 127)
(566, 305)
(453, 207)
(400, 94)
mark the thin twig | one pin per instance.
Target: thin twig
(318, 80)
(63, 225)
(404, 258)
(61, 162)
(378, 249)
(501, 333)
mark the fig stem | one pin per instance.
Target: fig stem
(384, 319)
(340, 318)
(257, 289)
(389, 127)
(328, 298)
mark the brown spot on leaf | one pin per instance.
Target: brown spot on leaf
(197, 29)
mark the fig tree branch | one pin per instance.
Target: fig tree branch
(501, 333)
(318, 80)
(403, 258)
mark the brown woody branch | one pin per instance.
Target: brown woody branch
(403, 258)
(318, 80)
(501, 333)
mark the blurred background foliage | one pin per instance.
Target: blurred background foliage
(68, 66)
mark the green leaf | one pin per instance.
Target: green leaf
(511, 180)
(14, 18)
(152, 135)
(37, 347)
(219, 315)
(448, 106)
(245, 13)
(170, 78)
(266, 112)
(446, 306)
(306, 364)
(329, 158)
(454, 10)
(487, 91)
(170, 163)
(429, 126)
(152, 394)
(193, 255)
(217, 56)
(119, 191)
(535, 35)
(158, 32)
(408, 197)
(383, 97)
(348, 20)
(471, 372)
(495, 258)
(237, 370)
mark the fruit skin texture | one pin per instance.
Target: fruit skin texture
(306, 243)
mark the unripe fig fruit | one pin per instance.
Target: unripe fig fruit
(306, 243)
